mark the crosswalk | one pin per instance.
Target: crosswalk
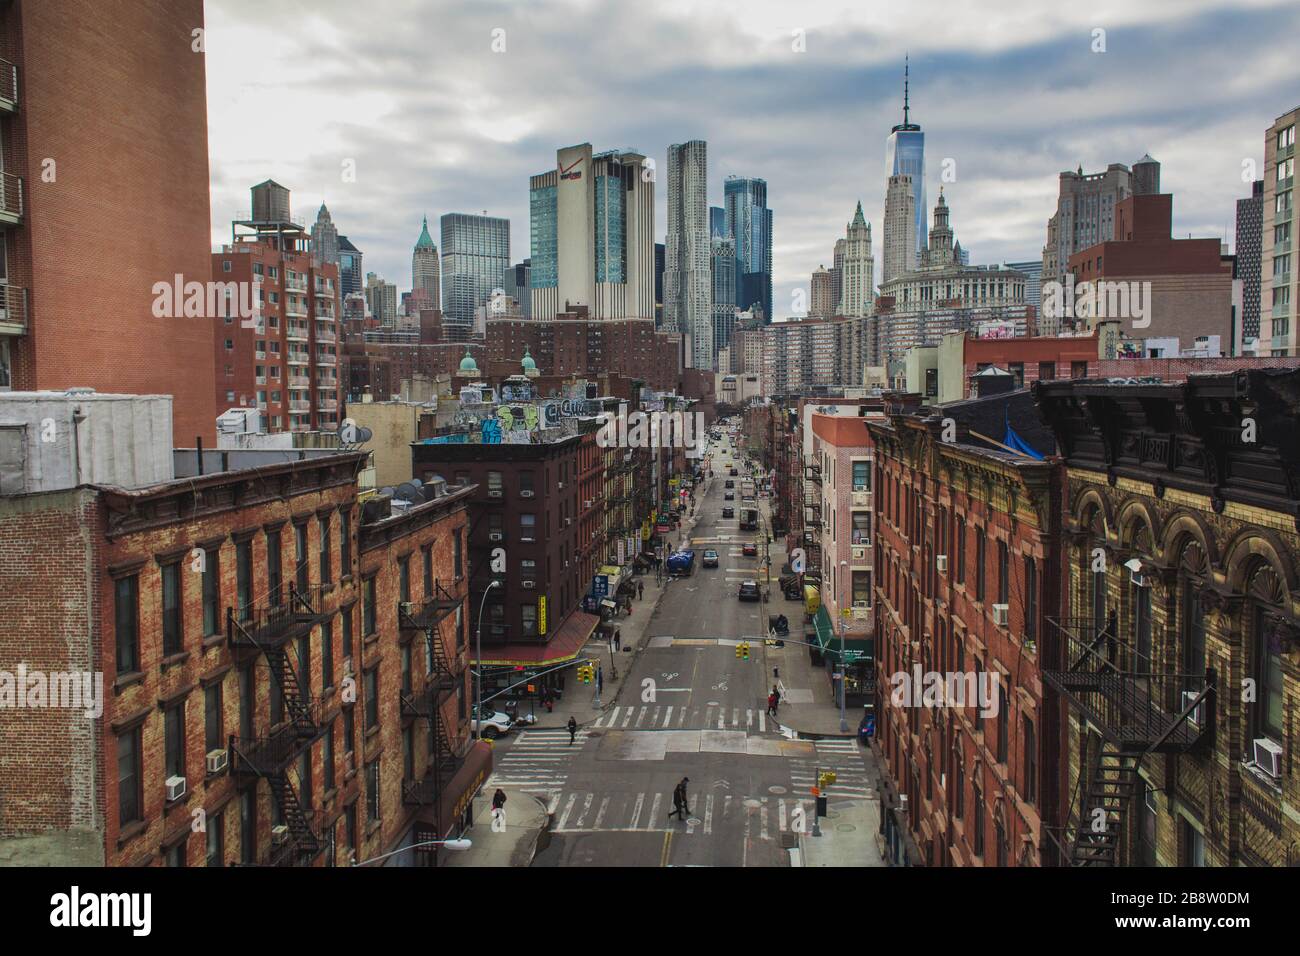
(680, 716)
(537, 761)
(843, 755)
(762, 819)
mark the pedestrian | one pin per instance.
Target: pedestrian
(686, 804)
(573, 730)
(498, 800)
(550, 702)
(771, 704)
(618, 640)
(776, 699)
(640, 590)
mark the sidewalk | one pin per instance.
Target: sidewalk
(848, 836)
(526, 819)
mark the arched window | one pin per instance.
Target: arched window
(1192, 567)
(1265, 594)
(959, 782)
(1141, 609)
(1096, 576)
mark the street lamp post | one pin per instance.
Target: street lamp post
(457, 844)
(478, 655)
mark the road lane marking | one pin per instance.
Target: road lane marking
(636, 812)
(722, 718)
(781, 815)
(668, 839)
(668, 716)
(568, 808)
(654, 810)
(627, 719)
(708, 814)
(762, 723)
(600, 814)
(586, 805)
(640, 716)
(749, 718)
(762, 816)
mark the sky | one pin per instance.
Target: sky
(444, 107)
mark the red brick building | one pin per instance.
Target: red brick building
(967, 562)
(246, 628)
(575, 345)
(96, 211)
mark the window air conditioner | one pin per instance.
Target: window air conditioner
(494, 536)
(529, 585)
(1001, 614)
(175, 788)
(1268, 757)
(279, 835)
(216, 761)
(1197, 715)
(526, 493)
(941, 563)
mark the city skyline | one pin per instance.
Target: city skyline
(440, 149)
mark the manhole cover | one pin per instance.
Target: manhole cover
(753, 804)
(694, 821)
(595, 733)
(832, 814)
(712, 703)
(845, 827)
(776, 790)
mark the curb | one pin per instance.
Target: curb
(516, 858)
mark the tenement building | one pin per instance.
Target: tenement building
(966, 579)
(1179, 655)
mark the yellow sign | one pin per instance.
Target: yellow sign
(541, 615)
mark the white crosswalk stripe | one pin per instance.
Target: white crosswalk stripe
(537, 761)
(842, 755)
(763, 819)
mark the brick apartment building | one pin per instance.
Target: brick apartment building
(135, 196)
(1191, 281)
(572, 344)
(254, 657)
(967, 540)
(1179, 559)
(286, 361)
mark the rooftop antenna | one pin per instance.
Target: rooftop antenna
(905, 90)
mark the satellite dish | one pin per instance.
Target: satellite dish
(387, 491)
(408, 491)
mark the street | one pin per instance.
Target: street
(690, 708)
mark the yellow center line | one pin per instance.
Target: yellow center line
(668, 839)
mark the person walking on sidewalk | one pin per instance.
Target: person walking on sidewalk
(640, 590)
(776, 699)
(771, 704)
(573, 730)
(498, 801)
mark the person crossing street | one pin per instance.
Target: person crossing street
(680, 805)
(573, 730)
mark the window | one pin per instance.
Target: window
(404, 579)
(1031, 598)
(1286, 137)
(349, 730)
(244, 579)
(959, 786)
(406, 669)
(1268, 680)
(368, 607)
(304, 779)
(1193, 845)
(129, 797)
(1142, 628)
(1046, 371)
(173, 635)
(427, 554)
(861, 527)
(174, 730)
(127, 623)
(981, 546)
(345, 543)
(350, 829)
(372, 791)
(213, 733)
(526, 482)
(528, 617)
(216, 834)
(862, 476)
(372, 698)
(1029, 790)
(327, 654)
(961, 552)
(1004, 574)
(1004, 721)
(977, 802)
(861, 588)
(527, 527)
(458, 558)
(274, 573)
(302, 573)
(211, 591)
(175, 855)
(346, 637)
(327, 757)
(494, 484)
(1146, 828)
(248, 826)
(1001, 836)
(1078, 370)
(304, 664)
(247, 688)
(326, 572)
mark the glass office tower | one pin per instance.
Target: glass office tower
(749, 222)
(475, 253)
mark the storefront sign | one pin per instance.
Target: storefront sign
(541, 615)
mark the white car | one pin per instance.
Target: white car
(496, 723)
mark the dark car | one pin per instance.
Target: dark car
(749, 591)
(734, 471)
(730, 483)
(750, 550)
(710, 559)
(728, 512)
(729, 496)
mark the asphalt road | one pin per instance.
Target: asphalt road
(691, 710)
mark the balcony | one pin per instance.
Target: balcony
(329, 361)
(813, 473)
(300, 427)
(295, 309)
(295, 283)
(421, 615)
(1105, 679)
(8, 87)
(296, 332)
(299, 358)
(11, 199)
(271, 625)
(325, 336)
(299, 406)
(299, 381)
(328, 405)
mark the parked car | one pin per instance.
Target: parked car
(728, 512)
(749, 549)
(729, 484)
(749, 591)
(496, 723)
(735, 471)
(710, 559)
(729, 496)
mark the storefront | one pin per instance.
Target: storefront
(859, 659)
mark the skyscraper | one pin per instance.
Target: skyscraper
(749, 221)
(350, 274)
(717, 222)
(516, 283)
(687, 280)
(661, 256)
(1280, 308)
(821, 303)
(905, 156)
(900, 255)
(1250, 231)
(325, 238)
(722, 268)
(857, 289)
(592, 235)
(424, 267)
(837, 271)
(475, 252)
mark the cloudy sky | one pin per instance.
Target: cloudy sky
(436, 121)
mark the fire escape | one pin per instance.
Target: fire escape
(1135, 712)
(812, 523)
(268, 631)
(446, 671)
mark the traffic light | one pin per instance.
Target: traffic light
(585, 674)
(740, 650)
(825, 779)
(746, 650)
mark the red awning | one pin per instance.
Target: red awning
(565, 645)
(458, 793)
